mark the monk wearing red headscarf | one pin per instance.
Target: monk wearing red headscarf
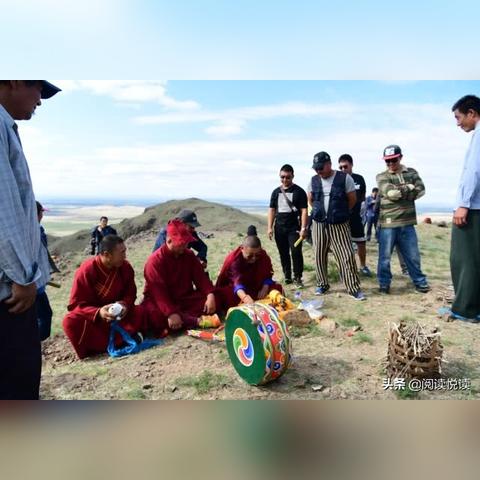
(169, 300)
(98, 284)
(246, 275)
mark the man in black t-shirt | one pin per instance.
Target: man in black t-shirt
(288, 209)
(357, 229)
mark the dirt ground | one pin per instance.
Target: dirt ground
(327, 365)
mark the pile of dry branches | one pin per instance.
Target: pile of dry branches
(413, 352)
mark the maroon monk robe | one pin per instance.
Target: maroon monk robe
(169, 289)
(237, 274)
(94, 286)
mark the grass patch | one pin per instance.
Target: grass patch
(223, 355)
(362, 337)
(204, 383)
(447, 342)
(312, 329)
(349, 322)
(309, 268)
(406, 394)
(135, 393)
(333, 273)
(160, 352)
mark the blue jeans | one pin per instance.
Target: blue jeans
(44, 315)
(406, 240)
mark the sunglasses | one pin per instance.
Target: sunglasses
(286, 177)
(392, 160)
(343, 167)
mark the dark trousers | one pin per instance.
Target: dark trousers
(44, 315)
(372, 222)
(20, 355)
(285, 240)
(465, 266)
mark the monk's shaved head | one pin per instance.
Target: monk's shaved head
(113, 251)
(252, 241)
(109, 243)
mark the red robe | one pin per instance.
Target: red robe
(237, 273)
(169, 289)
(94, 287)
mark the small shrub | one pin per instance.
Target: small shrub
(203, 383)
(406, 394)
(349, 322)
(362, 337)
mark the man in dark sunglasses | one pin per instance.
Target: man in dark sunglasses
(287, 221)
(399, 187)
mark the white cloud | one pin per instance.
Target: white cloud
(261, 112)
(247, 168)
(130, 91)
(226, 128)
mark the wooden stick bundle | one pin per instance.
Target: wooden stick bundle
(414, 352)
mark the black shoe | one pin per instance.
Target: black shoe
(298, 282)
(422, 288)
(288, 281)
(384, 290)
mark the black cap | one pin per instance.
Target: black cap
(320, 159)
(48, 89)
(392, 151)
(189, 217)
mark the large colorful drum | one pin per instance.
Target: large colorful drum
(258, 343)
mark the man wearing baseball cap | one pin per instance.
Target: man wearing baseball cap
(170, 300)
(189, 218)
(399, 187)
(22, 256)
(332, 195)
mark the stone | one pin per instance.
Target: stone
(327, 324)
(297, 318)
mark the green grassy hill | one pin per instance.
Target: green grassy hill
(347, 366)
(213, 217)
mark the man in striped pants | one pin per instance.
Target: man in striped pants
(332, 195)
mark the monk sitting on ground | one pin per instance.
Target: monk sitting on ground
(170, 300)
(99, 283)
(246, 275)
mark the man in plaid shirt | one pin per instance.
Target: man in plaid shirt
(399, 187)
(21, 254)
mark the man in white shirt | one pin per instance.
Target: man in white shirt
(465, 248)
(331, 194)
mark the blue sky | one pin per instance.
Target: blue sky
(186, 131)
(139, 140)
(218, 39)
